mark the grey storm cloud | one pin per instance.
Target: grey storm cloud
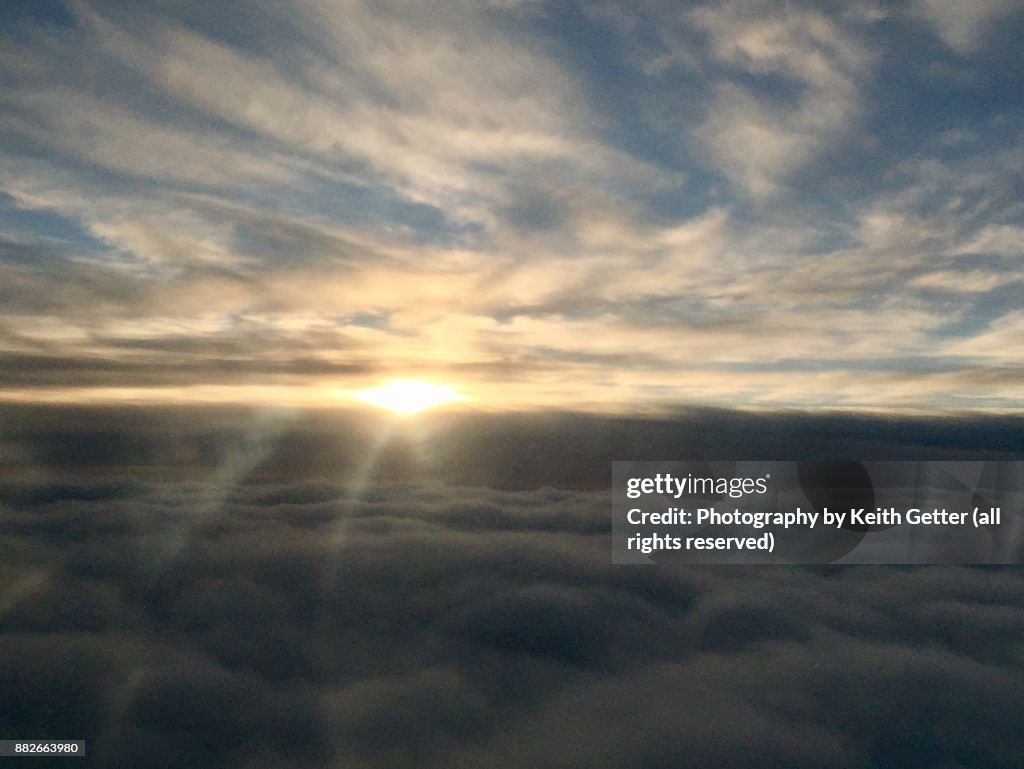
(177, 593)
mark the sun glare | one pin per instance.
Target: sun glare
(407, 396)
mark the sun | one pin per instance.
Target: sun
(408, 396)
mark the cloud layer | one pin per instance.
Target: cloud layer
(176, 593)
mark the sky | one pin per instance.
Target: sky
(542, 205)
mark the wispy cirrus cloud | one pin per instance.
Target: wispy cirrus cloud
(699, 203)
(963, 26)
(758, 136)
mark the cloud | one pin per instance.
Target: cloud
(962, 26)
(974, 281)
(294, 204)
(1004, 240)
(197, 604)
(995, 342)
(407, 97)
(760, 141)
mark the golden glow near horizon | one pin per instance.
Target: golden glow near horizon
(409, 396)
